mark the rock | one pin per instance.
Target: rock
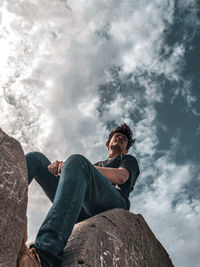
(115, 238)
(13, 199)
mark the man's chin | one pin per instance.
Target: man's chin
(116, 148)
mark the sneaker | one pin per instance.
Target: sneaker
(29, 258)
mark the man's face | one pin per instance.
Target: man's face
(118, 143)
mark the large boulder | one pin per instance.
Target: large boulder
(116, 238)
(13, 199)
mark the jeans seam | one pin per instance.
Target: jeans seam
(72, 205)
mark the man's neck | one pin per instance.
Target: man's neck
(113, 154)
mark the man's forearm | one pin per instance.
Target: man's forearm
(115, 175)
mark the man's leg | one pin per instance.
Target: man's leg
(81, 186)
(37, 165)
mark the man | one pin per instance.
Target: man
(79, 190)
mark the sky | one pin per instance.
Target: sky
(70, 71)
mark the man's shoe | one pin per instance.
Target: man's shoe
(30, 258)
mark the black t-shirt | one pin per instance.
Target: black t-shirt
(128, 162)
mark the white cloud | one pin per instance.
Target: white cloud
(177, 227)
(54, 56)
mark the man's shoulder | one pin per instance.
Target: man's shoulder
(130, 161)
(117, 161)
(130, 157)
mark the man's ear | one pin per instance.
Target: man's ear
(125, 151)
(107, 144)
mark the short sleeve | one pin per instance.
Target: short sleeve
(130, 163)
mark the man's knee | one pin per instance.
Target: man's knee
(77, 161)
(77, 158)
(36, 159)
(34, 155)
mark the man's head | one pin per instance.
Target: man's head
(120, 139)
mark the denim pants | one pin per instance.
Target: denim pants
(80, 192)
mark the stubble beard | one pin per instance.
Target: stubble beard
(116, 148)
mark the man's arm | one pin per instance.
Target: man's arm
(115, 175)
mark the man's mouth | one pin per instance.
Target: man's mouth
(119, 141)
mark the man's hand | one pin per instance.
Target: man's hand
(56, 167)
(60, 167)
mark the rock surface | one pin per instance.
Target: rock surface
(13, 199)
(116, 238)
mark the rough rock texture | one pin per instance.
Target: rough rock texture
(116, 238)
(13, 199)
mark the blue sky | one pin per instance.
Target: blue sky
(73, 70)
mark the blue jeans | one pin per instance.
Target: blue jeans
(80, 192)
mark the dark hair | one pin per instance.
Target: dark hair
(124, 129)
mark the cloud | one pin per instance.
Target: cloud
(174, 224)
(70, 71)
(48, 84)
